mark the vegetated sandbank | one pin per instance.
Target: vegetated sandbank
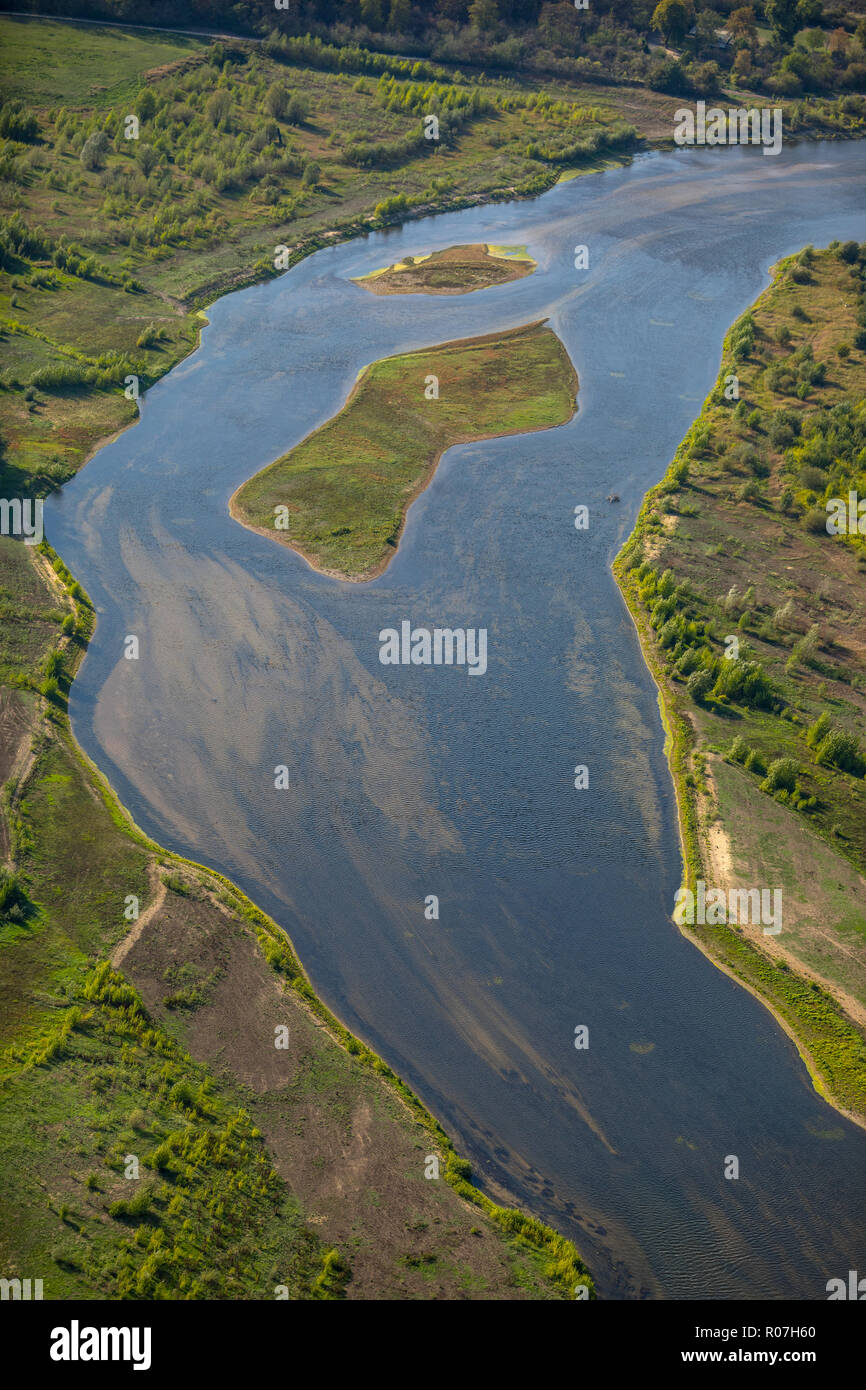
(340, 497)
(731, 552)
(456, 270)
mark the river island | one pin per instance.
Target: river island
(456, 270)
(340, 497)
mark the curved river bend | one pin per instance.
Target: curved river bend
(407, 781)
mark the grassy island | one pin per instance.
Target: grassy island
(732, 552)
(457, 270)
(340, 497)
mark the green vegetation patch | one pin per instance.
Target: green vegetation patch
(45, 62)
(457, 270)
(340, 497)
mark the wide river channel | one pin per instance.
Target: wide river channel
(409, 781)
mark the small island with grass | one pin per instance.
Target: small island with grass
(340, 497)
(457, 270)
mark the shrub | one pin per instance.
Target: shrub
(818, 730)
(842, 750)
(296, 110)
(18, 124)
(781, 775)
(698, 685)
(277, 100)
(391, 206)
(746, 683)
(94, 150)
(739, 749)
(12, 896)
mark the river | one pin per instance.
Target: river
(409, 781)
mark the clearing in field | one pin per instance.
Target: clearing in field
(457, 270)
(340, 497)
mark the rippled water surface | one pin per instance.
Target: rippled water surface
(407, 781)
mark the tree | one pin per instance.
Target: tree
(145, 104)
(838, 41)
(673, 18)
(94, 150)
(741, 24)
(276, 100)
(742, 68)
(484, 15)
(698, 685)
(312, 174)
(147, 158)
(218, 106)
(809, 12)
(781, 15)
(706, 25)
(296, 111)
(399, 15)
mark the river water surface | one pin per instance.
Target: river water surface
(408, 781)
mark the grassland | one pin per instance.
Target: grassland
(340, 497)
(731, 553)
(157, 1144)
(456, 270)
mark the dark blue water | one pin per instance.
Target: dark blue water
(409, 781)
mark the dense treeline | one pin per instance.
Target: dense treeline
(785, 47)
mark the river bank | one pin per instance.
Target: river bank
(800, 307)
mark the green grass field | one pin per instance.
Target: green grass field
(48, 64)
(345, 489)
